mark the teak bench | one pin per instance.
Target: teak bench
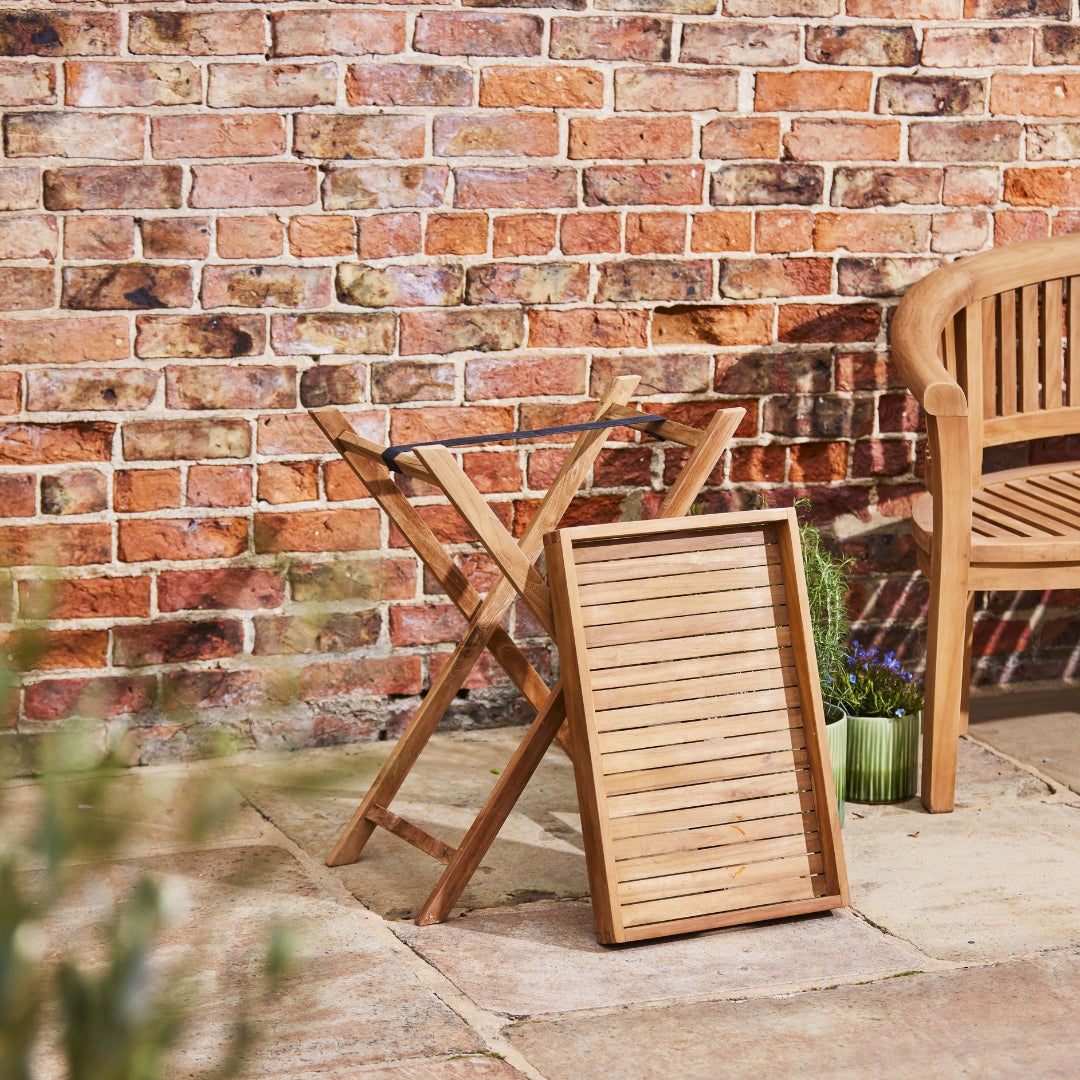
(990, 347)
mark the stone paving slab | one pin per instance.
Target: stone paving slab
(544, 958)
(1050, 742)
(474, 1067)
(1010, 1021)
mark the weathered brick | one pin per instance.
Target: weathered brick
(387, 235)
(589, 234)
(77, 491)
(289, 434)
(148, 540)
(456, 234)
(383, 187)
(217, 689)
(459, 34)
(803, 371)
(23, 83)
(102, 390)
(341, 484)
(1016, 9)
(1016, 226)
(271, 86)
(266, 286)
(878, 232)
(550, 87)
(139, 490)
(442, 332)
(931, 95)
(53, 33)
(352, 137)
(10, 394)
(610, 38)
(219, 485)
(399, 286)
(103, 698)
(664, 90)
(863, 187)
(62, 650)
(199, 336)
(720, 230)
(828, 416)
(317, 530)
(176, 642)
(425, 624)
(126, 286)
(212, 387)
(56, 545)
(527, 283)
(448, 525)
(656, 233)
(336, 33)
(732, 324)
(1047, 186)
(750, 279)
(971, 186)
(175, 238)
(1053, 45)
(840, 323)
(665, 373)
(20, 188)
(1052, 142)
(623, 137)
(492, 378)
(288, 482)
(249, 237)
(758, 464)
(678, 7)
(906, 9)
(417, 425)
(253, 184)
(960, 232)
(959, 47)
(1036, 95)
(63, 341)
(17, 498)
(880, 276)
(113, 187)
(597, 328)
(863, 46)
(759, 8)
(965, 141)
(767, 184)
(314, 236)
(409, 380)
(186, 440)
(638, 185)
(322, 333)
(754, 45)
(112, 136)
(28, 237)
(655, 279)
(492, 471)
(818, 463)
(408, 84)
(51, 444)
(243, 135)
(220, 33)
(388, 675)
(812, 91)
(90, 84)
(745, 137)
(843, 140)
(26, 288)
(541, 187)
(339, 631)
(523, 135)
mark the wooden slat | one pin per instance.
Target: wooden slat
(1006, 354)
(988, 359)
(412, 834)
(615, 551)
(671, 430)
(1029, 348)
(1051, 329)
(758, 608)
(711, 768)
(1073, 347)
(1026, 520)
(680, 753)
(1036, 505)
(635, 590)
(783, 722)
(741, 703)
(678, 562)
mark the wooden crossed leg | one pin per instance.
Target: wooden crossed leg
(518, 576)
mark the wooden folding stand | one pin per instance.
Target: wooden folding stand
(436, 465)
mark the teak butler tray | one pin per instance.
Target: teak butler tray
(696, 723)
(436, 465)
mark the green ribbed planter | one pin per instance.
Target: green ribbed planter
(836, 733)
(883, 757)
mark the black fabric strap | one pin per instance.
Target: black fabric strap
(392, 452)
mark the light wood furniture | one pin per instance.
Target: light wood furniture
(698, 736)
(990, 347)
(436, 465)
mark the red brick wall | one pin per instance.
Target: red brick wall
(453, 218)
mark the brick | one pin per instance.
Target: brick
(664, 90)
(212, 387)
(448, 525)
(253, 184)
(821, 416)
(456, 234)
(388, 675)
(759, 8)
(839, 323)
(19, 188)
(408, 84)
(25, 288)
(289, 434)
(812, 91)
(113, 187)
(175, 238)
(805, 371)
(1014, 227)
(341, 484)
(324, 333)
(610, 38)
(77, 491)
(265, 286)
(732, 324)
(387, 235)
(1053, 45)
(101, 390)
(425, 624)
(111, 136)
(148, 540)
(971, 186)
(1047, 186)
(243, 135)
(355, 137)
(931, 95)
(99, 237)
(1052, 142)
(656, 233)
(126, 286)
(441, 332)
(491, 378)
(678, 7)
(720, 230)
(219, 485)
(862, 46)
(54, 444)
(751, 279)
(317, 530)
(218, 689)
(23, 83)
(271, 86)
(965, 141)
(960, 47)
(139, 490)
(199, 336)
(384, 187)
(540, 187)
(186, 440)
(589, 234)
(879, 232)
(60, 650)
(493, 471)
(527, 283)
(461, 34)
(277, 635)
(906, 9)
(55, 545)
(63, 341)
(862, 187)
(333, 384)
(739, 44)
(17, 498)
(597, 328)
(28, 237)
(847, 140)
(10, 393)
(655, 279)
(625, 137)
(767, 184)
(552, 86)
(818, 463)
(897, 412)
(249, 237)
(880, 276)
(960, 232)
(758, 464)
(287, 482)
(417, 425)
(102, 698)
(524, 135)
(336, 33)
(176, 642)
(638, 185)
(314, 236)
(1021, 9)
(670, 373)
(220, 33)
(52, 33)
(745, 137)
(399, 286)
(90, 84)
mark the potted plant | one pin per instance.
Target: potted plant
(884, 704)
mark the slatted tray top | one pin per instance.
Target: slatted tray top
(696, 722)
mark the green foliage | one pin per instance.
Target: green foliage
(876, 685)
